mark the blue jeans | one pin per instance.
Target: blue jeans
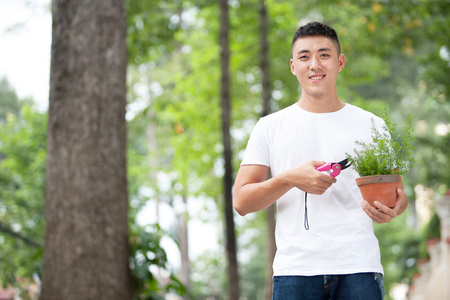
(360, 286)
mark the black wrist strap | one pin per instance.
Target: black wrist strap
(305, 222)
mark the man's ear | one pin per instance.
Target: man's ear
(341, 62)
(292, 66)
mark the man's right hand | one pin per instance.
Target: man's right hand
(308, 179)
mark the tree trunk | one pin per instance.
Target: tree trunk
(183, 239)
(86, 236)
(233, 276)
(271, 250)
(266, 91)
(264, 45)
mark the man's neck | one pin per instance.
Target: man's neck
(320, 104)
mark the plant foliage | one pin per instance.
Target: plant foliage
(390, 151)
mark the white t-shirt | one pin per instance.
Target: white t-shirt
(340, 239)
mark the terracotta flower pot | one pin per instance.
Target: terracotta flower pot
(381, 188)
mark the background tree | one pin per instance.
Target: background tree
(230, 240)
(266, 97)
(11, 104)
(86, 254)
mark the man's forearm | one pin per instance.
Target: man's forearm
(253, 193)
(254, 197)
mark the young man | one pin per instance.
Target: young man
(339, 256)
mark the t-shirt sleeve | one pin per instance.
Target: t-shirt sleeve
(257, 151)
(380, 125)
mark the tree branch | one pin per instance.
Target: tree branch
(5, 229)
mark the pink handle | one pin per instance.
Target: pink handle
(335, 169)
(325, 167)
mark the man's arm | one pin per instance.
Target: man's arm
(253, 193)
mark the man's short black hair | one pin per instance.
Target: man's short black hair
(317, 29)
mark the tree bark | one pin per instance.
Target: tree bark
(266, 91)
(86, 248)
(183, 239)
(271, 250)
(233, 274)
(264, 46)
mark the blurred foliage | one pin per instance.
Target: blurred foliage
(146, 255)
(253, 238)
(11, 104)
(399, 244)
(22, 180)
(209, 278)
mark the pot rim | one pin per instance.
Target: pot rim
(389, 178)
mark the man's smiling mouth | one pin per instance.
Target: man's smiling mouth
(317, 77)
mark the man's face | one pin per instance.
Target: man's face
(316, 63)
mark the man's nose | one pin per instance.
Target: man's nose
(315, 63)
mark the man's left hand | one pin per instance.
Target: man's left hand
(384, 214)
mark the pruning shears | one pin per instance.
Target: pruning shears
(334, 169)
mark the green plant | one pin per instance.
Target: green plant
(390, 152)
